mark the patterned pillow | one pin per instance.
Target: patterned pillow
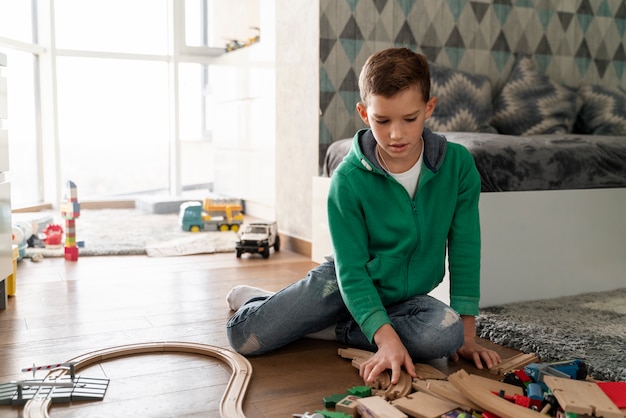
(532, 104)
(603, 111)
(463, 101)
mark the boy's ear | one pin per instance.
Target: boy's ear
(430, 106)
(362, 109)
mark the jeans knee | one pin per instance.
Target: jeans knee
(441, 338)
(246, 345)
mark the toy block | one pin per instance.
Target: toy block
(360, 391)
(71, 253)
(331, 400)
(616, 391)
(423, 405)
(582, 397)
(348, 405)
(377, 407)
(330, 414)
(71, 190)
(70, 208)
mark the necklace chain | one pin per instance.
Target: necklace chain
(382, 159)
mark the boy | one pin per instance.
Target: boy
(400, 198)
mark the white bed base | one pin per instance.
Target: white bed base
(535, 245)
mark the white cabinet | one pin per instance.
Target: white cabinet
(6, 260)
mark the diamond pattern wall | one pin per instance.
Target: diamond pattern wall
(572, 41)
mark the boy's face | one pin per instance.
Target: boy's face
(397, 123)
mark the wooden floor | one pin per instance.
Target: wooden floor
(64, 309)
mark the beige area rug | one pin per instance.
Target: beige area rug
(133, 232)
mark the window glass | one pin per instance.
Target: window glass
(196, 138)
(21, 126)
(16, 20)
(113, 125)
(137, 26)
(191, 84)
(226, 21)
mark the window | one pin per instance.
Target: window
(203, 27)
(113, 125)
(137, 26)
(22, 127)
(126, 103)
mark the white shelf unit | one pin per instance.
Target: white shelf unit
(6, 259)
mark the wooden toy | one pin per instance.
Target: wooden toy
(445, 390)
(377, 407)
(582, 397)
(486, 400)
(232, 399)
(616, 391)
(514, 363)
(497, 386)
(348, 405)
(423, 405)
(426, 371)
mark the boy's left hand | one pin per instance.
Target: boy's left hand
(472, 351)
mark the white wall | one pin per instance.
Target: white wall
(244, 106)
(297, 113)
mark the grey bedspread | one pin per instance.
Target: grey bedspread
(542, 162)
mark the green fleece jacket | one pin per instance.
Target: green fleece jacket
(389, 247)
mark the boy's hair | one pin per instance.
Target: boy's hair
(392, 70)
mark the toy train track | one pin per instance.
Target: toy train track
(230, 404)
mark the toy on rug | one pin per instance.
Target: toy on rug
(70, 210)
(53, 235)
(211, 215)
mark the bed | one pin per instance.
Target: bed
(552, 161)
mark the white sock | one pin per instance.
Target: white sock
(327, 334)
(239, 295)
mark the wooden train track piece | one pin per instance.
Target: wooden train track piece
(497, 386)
(396, 390)
(423, 405)
(582, 397)
(426, 371)
(487, 400)
(232, 399)
(445, 390)
(516, 362)
(354, 353)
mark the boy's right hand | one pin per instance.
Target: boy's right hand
(391, 355)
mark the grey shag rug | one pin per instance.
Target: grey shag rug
(590, 327)
(135, 232)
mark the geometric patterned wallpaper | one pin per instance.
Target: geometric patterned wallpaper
(574, 42)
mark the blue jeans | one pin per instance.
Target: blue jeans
(428, 328)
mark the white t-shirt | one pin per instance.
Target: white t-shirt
(409, 178)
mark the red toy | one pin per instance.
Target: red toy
(54, 235)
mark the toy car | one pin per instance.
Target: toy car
(258, 237)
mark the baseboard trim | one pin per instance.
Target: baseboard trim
(297, 245)
(108, 204)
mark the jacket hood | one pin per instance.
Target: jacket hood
(363, 150)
